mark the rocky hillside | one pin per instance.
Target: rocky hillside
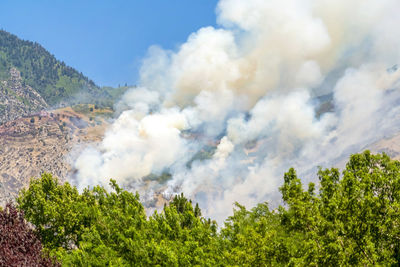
(17, 98)
(43, 142)
(38, 131)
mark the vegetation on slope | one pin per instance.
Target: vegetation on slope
(353, 219)
(52, 79)
(41, 70)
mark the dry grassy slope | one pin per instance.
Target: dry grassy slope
(31, 145)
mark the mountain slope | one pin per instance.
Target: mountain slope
(45, 141)
(39, 69)
(18, 99)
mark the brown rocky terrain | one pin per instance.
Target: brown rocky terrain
(390, 146)
(41, 143)
(18, 99)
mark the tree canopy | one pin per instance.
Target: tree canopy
(19, 245)
(348, 218)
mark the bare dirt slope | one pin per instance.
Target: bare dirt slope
(41, 143)
(390, 146)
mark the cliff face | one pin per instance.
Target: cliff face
(18, 99)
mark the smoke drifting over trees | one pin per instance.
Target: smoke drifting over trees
(250, 87)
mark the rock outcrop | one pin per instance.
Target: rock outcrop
(18, 99)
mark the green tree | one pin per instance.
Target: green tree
(75, 226)
(99, 228)
(54, 209)
(354, 220)
(256, 238)
(348, 218)
(182, 237)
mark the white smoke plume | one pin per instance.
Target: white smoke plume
(247, 95)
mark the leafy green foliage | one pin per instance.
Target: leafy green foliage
(257, 238)
(182, 237)
(353, 219)
(112, 228)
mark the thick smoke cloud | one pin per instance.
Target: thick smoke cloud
(247, 93)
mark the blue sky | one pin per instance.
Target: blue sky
(105, 39)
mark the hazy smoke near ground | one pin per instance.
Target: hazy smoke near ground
(248, 92)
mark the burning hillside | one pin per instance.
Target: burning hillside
(256, 79)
